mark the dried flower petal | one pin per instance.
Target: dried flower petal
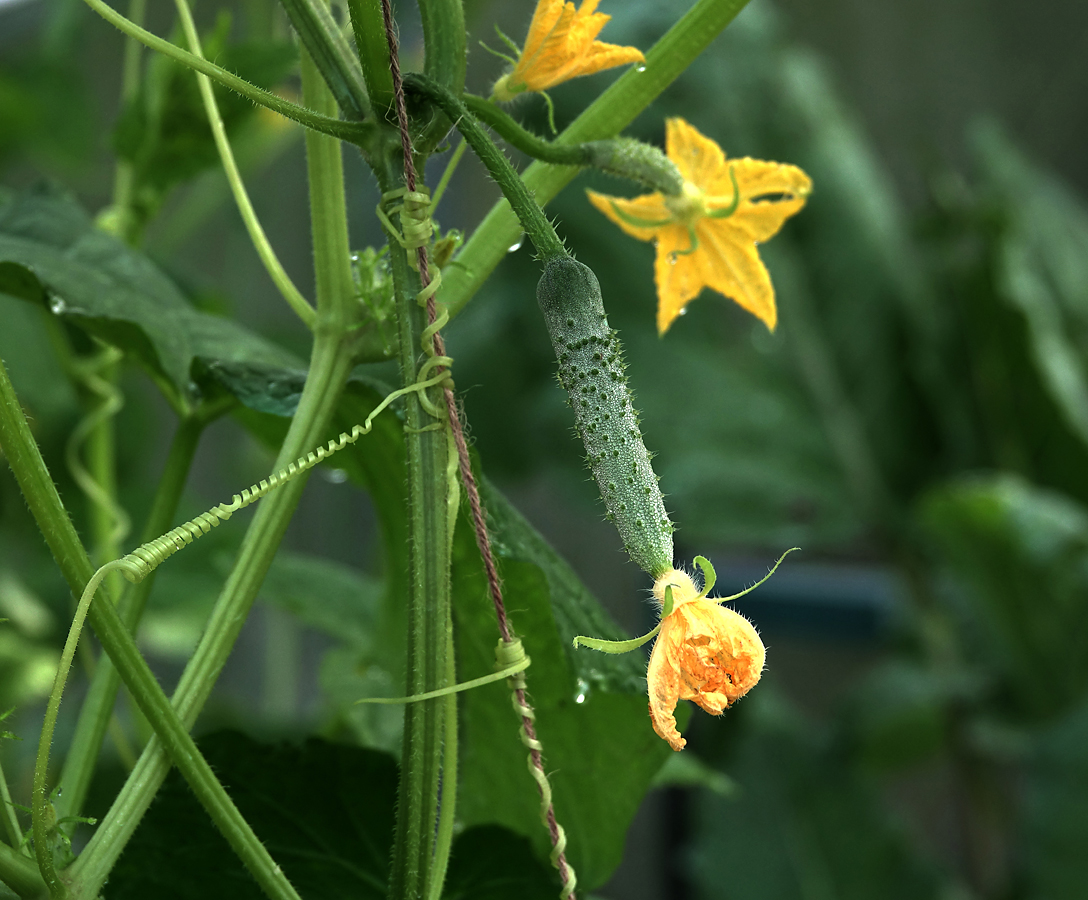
(704, 652)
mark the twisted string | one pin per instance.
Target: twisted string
(509, 645)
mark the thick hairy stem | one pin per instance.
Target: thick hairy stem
(536, 224)
(418, 863)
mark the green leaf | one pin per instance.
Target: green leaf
(802, 824)
(325, 812)
(686, 770)
(333, 598)
(1021, 555)
(346, 605)
(898, 716)
(1042, 268)
(1055, 795)
(51, 252)
(599, 747)
(163, 131)
(490, 863)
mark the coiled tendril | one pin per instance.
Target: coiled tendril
(508, 654)
(138, 564)
(416, 230)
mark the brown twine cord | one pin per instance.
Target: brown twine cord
(483, 541)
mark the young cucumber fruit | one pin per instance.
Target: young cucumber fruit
(591, 370)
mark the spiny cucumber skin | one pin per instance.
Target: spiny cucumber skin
(591, 371)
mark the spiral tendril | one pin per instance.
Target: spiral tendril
(416, 231)
(89, 373)
(508, 654)
(138, 564)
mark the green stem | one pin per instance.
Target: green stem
(354, 132)
(446, 59)
(328, 211)
(38, 489)
(606, 117)
(94, 715)
(330, 365)
(623, 157)
(19, 873)
(260, 241)
(11, 821)
(533, 220)
(109, 523)
(124, 173)
(331, 53)
(447, 799)
(366, 22)
(427, 603)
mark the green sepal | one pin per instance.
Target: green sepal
(617, 646)
(519, 666)
(726, 211)
(636, 222)
(668, 604)
(748, 590)
(710, 577)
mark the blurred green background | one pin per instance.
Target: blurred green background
(918, 425)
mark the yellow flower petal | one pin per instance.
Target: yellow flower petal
(698, 158)
(678, 275)
(732, 267)
(562, 45)
(546, 18)
(761, 177)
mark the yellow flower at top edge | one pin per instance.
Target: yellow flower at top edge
(562, 44)
(704, 652)
(707, 236)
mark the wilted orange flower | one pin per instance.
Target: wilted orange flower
(708, 234)
(562, 44)
(704, 652)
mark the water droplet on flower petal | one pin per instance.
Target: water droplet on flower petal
(684, 311)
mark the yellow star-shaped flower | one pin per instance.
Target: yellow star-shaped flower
(708, 234)
(562, 44)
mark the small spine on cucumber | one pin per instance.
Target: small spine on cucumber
(592, 372)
